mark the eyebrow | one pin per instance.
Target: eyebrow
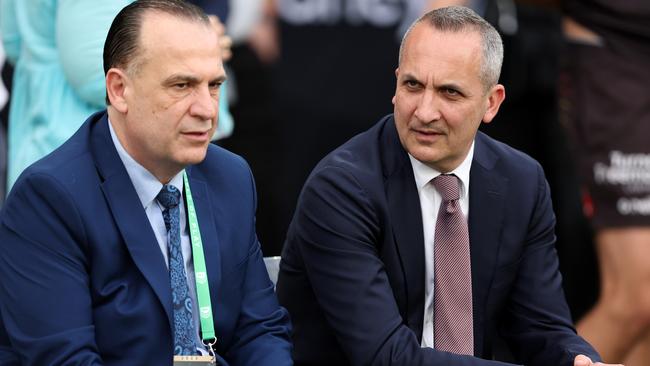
(175, 78)
(410, 76)
(451, 86)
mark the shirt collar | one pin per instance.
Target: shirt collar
(424, 173)
(146, 185)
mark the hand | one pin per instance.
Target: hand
(264, 38)
(264, 41)
(225, 43)
(582, 360)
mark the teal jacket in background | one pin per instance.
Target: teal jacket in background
(56, 47)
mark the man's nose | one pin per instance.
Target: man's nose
(428, 108)
(205, 104)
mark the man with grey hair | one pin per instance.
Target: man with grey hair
(394, 258)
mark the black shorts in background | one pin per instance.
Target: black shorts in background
(605, 105)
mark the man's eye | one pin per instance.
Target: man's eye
(411, 83)
(181, 86)
(451, 92)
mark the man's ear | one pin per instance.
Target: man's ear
(116, 86)
(496, 95)
(396, 77)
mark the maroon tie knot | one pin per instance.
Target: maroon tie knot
(447, 186)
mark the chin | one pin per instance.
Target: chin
(425, 155)
(194, 158)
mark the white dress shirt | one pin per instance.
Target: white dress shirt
(430, 204)
(147, 186)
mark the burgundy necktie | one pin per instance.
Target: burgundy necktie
(453, 324)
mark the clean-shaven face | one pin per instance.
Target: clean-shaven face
(173, 95)
(440, 99)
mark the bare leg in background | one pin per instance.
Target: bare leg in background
(617, 326)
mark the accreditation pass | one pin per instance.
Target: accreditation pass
(194, 361)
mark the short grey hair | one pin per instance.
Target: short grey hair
(459, 19)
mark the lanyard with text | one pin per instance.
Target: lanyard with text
(200, 273)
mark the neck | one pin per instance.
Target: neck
(165, 178)
(164, 174)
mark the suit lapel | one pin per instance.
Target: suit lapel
(404, 207)
(486, 206)
(406, 218)
(129, 215)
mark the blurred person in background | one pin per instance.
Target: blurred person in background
(605, 104)
(56, 48)
(251, 24)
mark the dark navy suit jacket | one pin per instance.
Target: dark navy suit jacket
(82, 278)
(352, 272)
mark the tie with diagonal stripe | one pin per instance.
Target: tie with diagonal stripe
(453, 314)
(169, 197)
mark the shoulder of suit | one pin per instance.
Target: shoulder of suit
(356, 164)
(506, 156)
(357, 155)
(64, 164)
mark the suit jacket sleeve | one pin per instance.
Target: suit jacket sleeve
(44, 284)
(262, 334)
(536, 321)
(337, 229)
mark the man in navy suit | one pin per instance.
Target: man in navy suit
(357, 271)
(87, 239)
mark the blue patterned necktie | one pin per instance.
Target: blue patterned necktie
(184, 344)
